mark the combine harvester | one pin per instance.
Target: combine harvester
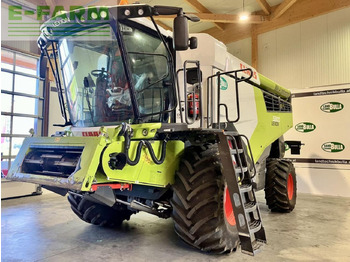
(152, 127)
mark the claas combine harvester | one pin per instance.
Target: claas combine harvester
(154, 123)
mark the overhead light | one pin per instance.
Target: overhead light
(244, 15)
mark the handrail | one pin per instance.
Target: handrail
(233, 74)
(185, 92)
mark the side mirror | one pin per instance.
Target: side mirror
(193, 42)
(181, 33)
(181, 41)
(42, 66)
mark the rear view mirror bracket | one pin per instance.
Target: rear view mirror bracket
(42, 66)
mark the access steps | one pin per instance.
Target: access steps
(238, 175)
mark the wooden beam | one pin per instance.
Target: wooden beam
(300, 11)
(282, 8)
(196, 5)
(222, 18)
(232, 33)
(254, 47)
(264, 6)
(166, 27)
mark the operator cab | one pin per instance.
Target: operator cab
(112, 69)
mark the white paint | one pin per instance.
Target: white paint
(213, 57)
(317, 181)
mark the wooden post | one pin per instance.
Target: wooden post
(254, 47)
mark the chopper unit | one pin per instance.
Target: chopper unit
(154, 123)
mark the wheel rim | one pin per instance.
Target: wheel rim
(230, 217)
(290, 186)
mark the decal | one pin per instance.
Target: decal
(333, 147)
(276, 120)
(331, 107)
(305, 127)
(223, 83)
(93, 133)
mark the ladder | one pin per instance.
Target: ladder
(239, 182)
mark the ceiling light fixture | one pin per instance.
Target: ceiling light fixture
(243, 16)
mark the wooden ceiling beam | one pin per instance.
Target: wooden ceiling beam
(282, 8)
(196, 5)
(264, 6)
(300, 11)
(221, 18)
(232, 32)
(166, 27)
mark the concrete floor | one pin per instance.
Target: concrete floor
(43, 228)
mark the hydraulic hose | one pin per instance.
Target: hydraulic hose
(153, 156)
(138, 152)
(139, 148)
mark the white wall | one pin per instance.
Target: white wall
(315, 52)
(242, 49)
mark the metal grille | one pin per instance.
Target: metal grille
(276, 104)
(52, 161)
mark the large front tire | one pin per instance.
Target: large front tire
(280, 186)
(98, 214)
(202, 213)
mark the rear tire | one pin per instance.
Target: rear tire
(281, 185)
(98, 214)
(199, 212)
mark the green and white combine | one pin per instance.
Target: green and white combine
(153, 126)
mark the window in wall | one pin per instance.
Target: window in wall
(21, 103)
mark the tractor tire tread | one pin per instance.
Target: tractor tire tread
(276, 186)
(96, 213)
(198, 202)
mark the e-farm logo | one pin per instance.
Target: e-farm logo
(331, 107)
(305, 127)
(333, 147)
(26, 21)
(16, 12)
